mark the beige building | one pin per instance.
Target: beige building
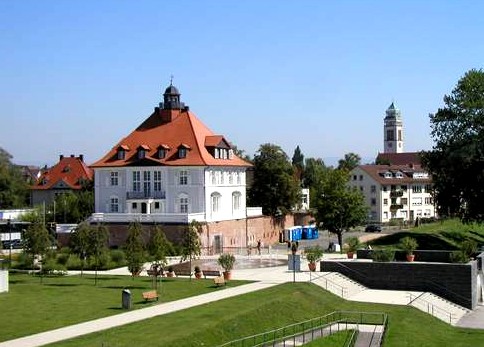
(397, 188)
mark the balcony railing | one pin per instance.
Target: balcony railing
(395, 207)
(396, 193)
(146, 195)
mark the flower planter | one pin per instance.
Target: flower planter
(312, 266)
(227, 275)
(350, 255)
(198, 275)
(170, 274)
(410, 257)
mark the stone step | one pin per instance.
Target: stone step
(440, 308)
(338, 284)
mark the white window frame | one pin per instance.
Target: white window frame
(114, 204)
(157, 181)
(215, 202)
(114, 178)
(183, 203)
(183, 176)
(236, 201)
(136, 181)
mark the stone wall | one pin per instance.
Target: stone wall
(454, 282)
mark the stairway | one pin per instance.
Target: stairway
(438, 307)
(338, 284)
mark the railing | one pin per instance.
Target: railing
(146, 218)
(146, 195)
(446, 293)
(307, 331)
(328, 285)
(431, 308)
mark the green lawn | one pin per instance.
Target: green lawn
(31, 307)
(215, 323)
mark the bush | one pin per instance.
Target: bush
(226, 261)
(74, 262)
(51, 267)
(63, 258)
(408, 244)
(383, 255)
(118, 257)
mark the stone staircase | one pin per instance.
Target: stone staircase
(338, 284)
(438, 307)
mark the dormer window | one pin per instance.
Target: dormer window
(162, 151)
(142, 150)
(121, 154)
(388, 174)
(182, 151)
(66, 169)
(398, 174)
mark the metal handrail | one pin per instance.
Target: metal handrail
(344, 290)
(319, 323)
(431, 307)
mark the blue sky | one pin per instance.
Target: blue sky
(77, 76)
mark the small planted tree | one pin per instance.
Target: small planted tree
(226, 261)
(352, 246)
(135, 249)
(37, 242)
(98, 239)
(409, 244)
(80, 242)
(191, 243)
(313, 254)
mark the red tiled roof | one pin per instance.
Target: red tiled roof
(183, 128)
(377, 173)
(399, 158)
(69, 170)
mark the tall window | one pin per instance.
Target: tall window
(114, 205)
(114, 178)
(136, 181)
(417, 189)
(214, 178)
(147, 182)
(373, 189)
(215, 202)
(231, 178)
(183, 203)
(390, 135)
(238, 177)
(157, 181)
(183, 178)
(236, 201)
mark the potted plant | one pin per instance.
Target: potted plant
(313, 254)
(409, 244)
(226, 261)
(170, 273)
(352, 245)
(198, 272)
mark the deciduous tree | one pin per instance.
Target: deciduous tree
(274, 186)
(135, 249)
(338, 206)
(349, 162)
(456, 161)
(13, 188)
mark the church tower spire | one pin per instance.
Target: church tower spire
(393, 131)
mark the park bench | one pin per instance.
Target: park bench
(215, 273)
(184, 273)
(150, 295)
(219, 280)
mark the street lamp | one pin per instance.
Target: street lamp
(9, 226)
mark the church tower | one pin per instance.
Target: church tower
(393, 131)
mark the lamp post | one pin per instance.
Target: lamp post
(9, 224)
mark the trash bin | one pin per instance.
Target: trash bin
(126, 299)
(294, 262)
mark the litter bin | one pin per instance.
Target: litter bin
(126, 299)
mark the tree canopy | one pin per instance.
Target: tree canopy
(456, 161)
(349, 162)
(338, 206)
(13, 188)
(274, 187)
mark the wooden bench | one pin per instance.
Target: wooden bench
(219, 280)
(150, 295)
(215, 273)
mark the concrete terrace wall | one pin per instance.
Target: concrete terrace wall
(454, 282)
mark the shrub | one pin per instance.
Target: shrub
(352, 244)
(408, 244)
(313, 253)
(118, 257)
(74, 262)
(51, 267)
(383, 255)
(226, 261)
(63, 258)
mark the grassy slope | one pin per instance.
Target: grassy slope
(225, 320)
(446, 235)
(62, 301)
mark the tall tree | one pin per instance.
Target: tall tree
(338, 206)
(73, 207)
(135, 249)
(274, 186)
(456, 161)
(350, 161)
(298, 163)
(13, 188)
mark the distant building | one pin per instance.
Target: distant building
(69, 174)
(397, 187)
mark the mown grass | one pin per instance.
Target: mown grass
(442, 235)
(225, 320)
(31, 306)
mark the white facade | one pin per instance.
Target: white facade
(394, 193)
(170, 194)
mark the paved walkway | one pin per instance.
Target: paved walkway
(265, 277)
